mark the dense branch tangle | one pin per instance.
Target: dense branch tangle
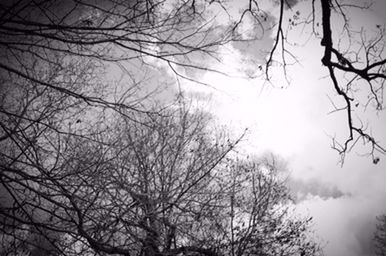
(35, 35)
(55, 101)
(167, 188)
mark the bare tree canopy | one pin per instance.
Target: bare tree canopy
(169, 187)
(88, 165)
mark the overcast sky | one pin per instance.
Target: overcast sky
(293, 121)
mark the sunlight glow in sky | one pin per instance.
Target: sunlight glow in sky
(294, 122)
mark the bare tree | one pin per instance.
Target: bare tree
(259, 212)
(159, 185)
(95, 187)
(363, 66)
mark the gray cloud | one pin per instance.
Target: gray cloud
(291, 3)
(288, 3)
(257, 40)
(301, 189)
(199, 96)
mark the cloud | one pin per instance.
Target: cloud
(256, 40)
(288, 3)
(303, 189)
(291, 3)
